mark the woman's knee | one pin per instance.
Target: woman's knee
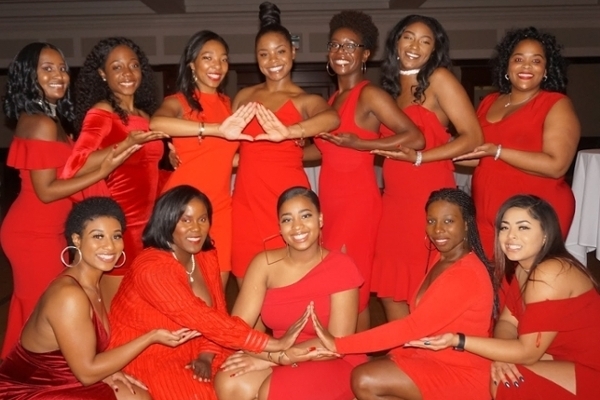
(362, 379)
(228, 387)
(124, 393)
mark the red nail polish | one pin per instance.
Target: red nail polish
(116, 389)
(115, 146)
(312, 348)
(232, 375)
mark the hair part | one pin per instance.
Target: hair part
(358, 22)
(296, 191)
(88, 210)
(269, 16)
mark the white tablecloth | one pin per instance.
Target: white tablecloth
(584, 235)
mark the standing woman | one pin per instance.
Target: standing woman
(416, 73)
(347, 181)
(115, 93)
(266, 169)
(37, 98)
(530, 129)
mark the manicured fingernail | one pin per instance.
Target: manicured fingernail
(232, 375)
(115, 146)
(516, 383)
(311, 348)
(522, 379)
(507, 384)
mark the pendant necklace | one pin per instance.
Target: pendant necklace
(510, 103)
(191, 278)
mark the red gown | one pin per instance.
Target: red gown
(444, 307)
(32, 233)
(495, 181)
(134, 184)
(401, 250)
(348, 187)
(315, 380)
(577, 321)
(25, 375)
(265, 171)
(154, 294)
(207, 167)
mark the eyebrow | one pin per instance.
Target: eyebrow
(413, 33)
(534, 55)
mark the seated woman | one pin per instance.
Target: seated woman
(278, 285)
(457, 293)
(175, 282)
(61, 353)
(552, 311)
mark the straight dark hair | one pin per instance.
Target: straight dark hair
(296, 191)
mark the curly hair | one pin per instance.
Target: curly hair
(359, 23)
(467, 208)
(185, 79)
(269, 16)
(91, 89)
(88, 210)
(23, 92)
(440, 57)
(556, 65)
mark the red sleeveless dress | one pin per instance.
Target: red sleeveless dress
(401, 250)
(207, 167)
(134, 184)
(495, 181)
(265, 171)
(349, 194)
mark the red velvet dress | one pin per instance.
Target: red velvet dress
(156, 293)
(32, 233)
(577, 321)
(444, 307)
(134, 184)
(401, 250)
(495, 181)
(25, 375)
(265, 171)
(315, 380)
(207, 167)
(348, 187)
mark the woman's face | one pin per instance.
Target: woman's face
(527, 65)
(101, 243)
(52, 75)
(211, 66)
(300, 223)
(446, 227)
(275, 56)
(342, 60)
(415, 46)
(521, 236)
(191, 229)
(122, 71)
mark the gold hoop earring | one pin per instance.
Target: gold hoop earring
(328, 70)
(62, 253)
(124, 259)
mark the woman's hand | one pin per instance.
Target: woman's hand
(485, 150)
(173, 338)
(349, 140)
(202, 367)
(113, 160)
(435, 343)
(141, 137)
(296, 354)
(275, 131)
(241, 363)
(129, 381)
(287, 340)
(232, 127)
(506, 374)
(174, 159)
(402, 154)
(323, 334)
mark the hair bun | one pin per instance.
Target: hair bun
(269, 14)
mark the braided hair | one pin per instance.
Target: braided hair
(467, 209)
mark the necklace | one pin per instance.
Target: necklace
(510, 103)
(526, 270)
(409, 71)
(186, 271)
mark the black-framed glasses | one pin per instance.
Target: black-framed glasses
(347, 47)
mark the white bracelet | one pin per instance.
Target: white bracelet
(419, 159)
(498, 151)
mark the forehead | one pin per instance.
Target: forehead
(297, 202)
(195, 206)
(102, 223)
(50, 55)
(271, 39)
(529, 46)
(419, 28)
(121, 52)
(444, 207)
(518, 214)
(345, 34)
(214, 46)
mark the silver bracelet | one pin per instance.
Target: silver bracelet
(419, 159)
(498, 151)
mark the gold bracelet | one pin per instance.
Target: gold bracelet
(269, 357)
(281, 354)
(201, 132)
(300, 142)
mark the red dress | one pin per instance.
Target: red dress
(25, 375)
(134, 184)
(444, 307)
(577, 321)
(401, 250)
(495, 181)
(315, 380)
(348, 187)
(207, 167)
(265, 171)
(33, 231)
(155, 293)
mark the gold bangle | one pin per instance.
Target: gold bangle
(300, 142)
(201, 132)
(281, 354)
(269, 357)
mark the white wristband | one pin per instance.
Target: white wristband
(498, 151)
(419, 159)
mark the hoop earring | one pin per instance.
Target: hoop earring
(328, 70)
(545, 78)
(429, 247)
(363, 68)
(506, 77)
(124, 259)
(62, 260)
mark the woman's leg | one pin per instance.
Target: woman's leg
(244, 387)
(382, 379)
(125, 394)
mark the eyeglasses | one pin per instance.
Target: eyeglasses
(347, 47)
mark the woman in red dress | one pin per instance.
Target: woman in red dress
(347, 182)
(115, 93)
(530, 130)
(278, 286)
(266, 169)
(62, 352)
(541, 342)
(32, 232)
(441, 304)
(175, 282)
